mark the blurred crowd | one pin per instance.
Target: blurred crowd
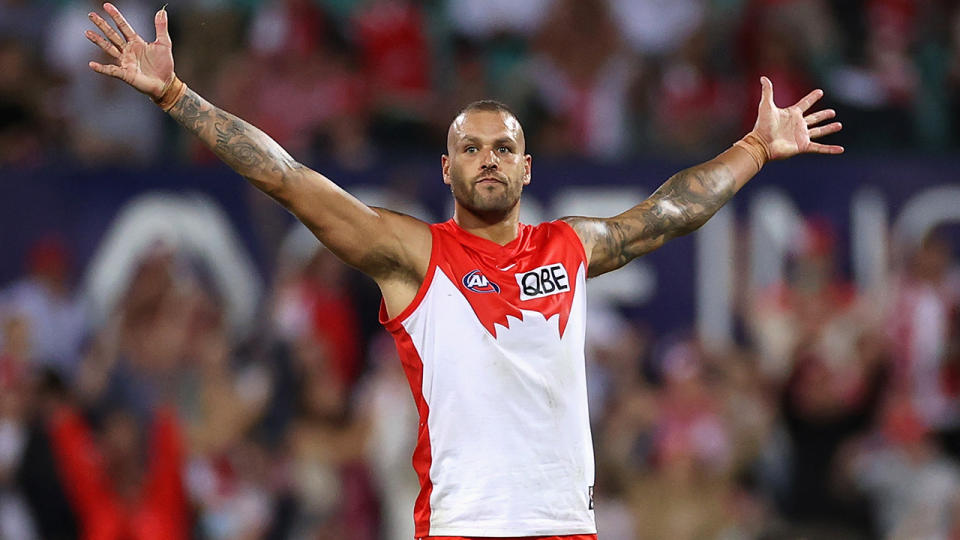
(834, 415)
(356, 79)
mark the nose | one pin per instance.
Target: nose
(490, 160)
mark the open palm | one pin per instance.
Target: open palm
(787, 132)
(148, 67)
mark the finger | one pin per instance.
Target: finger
(99, 41)
(160, 21)
(809, 99)
(818, 148)
(819, 116)
(107, 30)
(825, 130)
(122, 23)
(108, 69)
(766, 91)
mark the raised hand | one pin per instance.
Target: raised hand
(789, 131)
(148, 67)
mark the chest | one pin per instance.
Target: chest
(541, 278)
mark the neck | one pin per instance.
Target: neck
(499, 227)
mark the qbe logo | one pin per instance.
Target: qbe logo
(543, 281)
(477, 282)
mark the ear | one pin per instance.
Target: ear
(527, 168)
(445, 168)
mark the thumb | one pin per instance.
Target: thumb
(766, 93)
(160, 20)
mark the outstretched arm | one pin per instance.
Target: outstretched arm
(689, 198)
(386, 245)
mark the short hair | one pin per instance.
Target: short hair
(488, 105)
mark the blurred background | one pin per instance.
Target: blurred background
(174, 348)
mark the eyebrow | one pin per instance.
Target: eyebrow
(499, 141)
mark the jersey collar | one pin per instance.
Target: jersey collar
(489, 246)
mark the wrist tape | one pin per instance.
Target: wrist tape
(171, 94)
(757, 149)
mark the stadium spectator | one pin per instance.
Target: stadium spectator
(22, 108)
(326, 440)
(497, 18)
(768, 46)
(389, 412)
(114, 494)
(880, 85)
(236, 493)
(312, 309)
(219, 400)
(45, 301)
(36, 477)
(211, 30)
(127, 128)
(256, 86)
(394, 51)
(657, 29)
(313, 64)
(927, 297)
(692, 100)
(16, 374)
(581, 79)
(828, 400)
(810, 305)
(914, 487)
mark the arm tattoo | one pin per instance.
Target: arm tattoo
(680, 206)
(240, 145)
(357, 234)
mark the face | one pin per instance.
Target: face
(485, 165)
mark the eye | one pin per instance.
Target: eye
(470, 149)
(504, 150)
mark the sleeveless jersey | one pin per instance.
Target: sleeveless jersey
(492, 346)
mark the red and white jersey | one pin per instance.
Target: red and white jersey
(492, 346)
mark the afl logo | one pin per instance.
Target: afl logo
(477, 282)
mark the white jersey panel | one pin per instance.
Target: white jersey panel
(508, 425)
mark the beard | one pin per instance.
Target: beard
(485, 199)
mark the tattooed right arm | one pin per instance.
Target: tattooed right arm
(392, 248)
(381, 243)
(246, 149)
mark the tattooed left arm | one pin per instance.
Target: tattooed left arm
(680, 206)
(689, 198)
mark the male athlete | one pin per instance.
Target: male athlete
(487, 312)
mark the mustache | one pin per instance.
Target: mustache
(488, 175)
